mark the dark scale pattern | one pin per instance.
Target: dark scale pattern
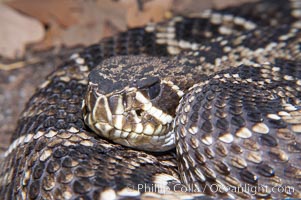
(268, 13)
(238, 125)
(197, 30)
(135, 41)
(82, 170)
(255, 166)
(265, 14)
(69, 168)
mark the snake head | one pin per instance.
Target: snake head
(137, 113)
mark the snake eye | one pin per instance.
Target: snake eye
(154, 90)
(151, 85)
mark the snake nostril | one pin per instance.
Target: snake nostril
(139, 112)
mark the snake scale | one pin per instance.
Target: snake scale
(198, 107)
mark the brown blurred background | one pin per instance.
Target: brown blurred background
(35, 36)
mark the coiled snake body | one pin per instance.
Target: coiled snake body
(220, 89)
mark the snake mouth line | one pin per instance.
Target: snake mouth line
(128, 118)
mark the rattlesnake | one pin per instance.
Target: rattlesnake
(236, 77)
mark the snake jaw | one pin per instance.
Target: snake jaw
(129, 117)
